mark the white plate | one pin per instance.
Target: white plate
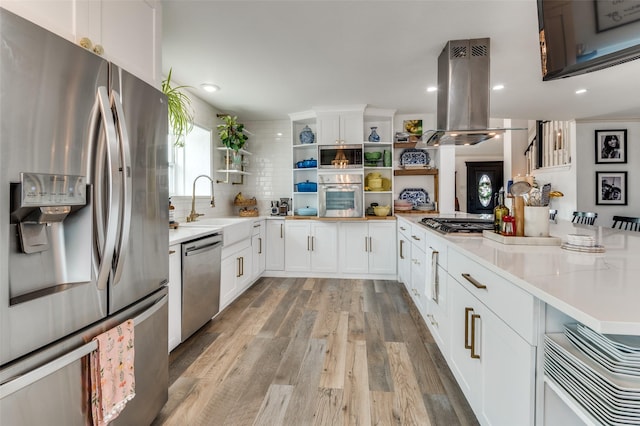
(611, 356)
(627, 344)
(613, 367)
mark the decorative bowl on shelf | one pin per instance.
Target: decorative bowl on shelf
(373, 156)
(382, 210)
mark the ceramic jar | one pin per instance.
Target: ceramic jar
(374, 136)
(307, 136)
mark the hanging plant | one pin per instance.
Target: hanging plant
(230, 133)
(180, 112)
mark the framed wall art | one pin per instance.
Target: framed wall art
(615, 13)
(611, 188)
(611, 146)
(413, 127)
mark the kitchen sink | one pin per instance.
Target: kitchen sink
(234, 229)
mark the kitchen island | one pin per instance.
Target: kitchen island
(492, 307)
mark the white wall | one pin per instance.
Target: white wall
(586, 169)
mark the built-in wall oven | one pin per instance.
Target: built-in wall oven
(340, 195)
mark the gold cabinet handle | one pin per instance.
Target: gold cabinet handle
(366, 248)
(435, 285)
(403, 228)
(282, 230)
(415, 238)
(401, 246)
(370, 246)
(473, 281)
(474, 355)
(308, 242)
(238, 274)
(242, 265)
(171, 252)
(313, 241)
(259, 245)
(467, 345)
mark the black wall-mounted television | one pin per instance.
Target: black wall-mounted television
(580, 36)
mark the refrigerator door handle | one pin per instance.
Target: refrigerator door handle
(108, 153)
(39, 373)
(151, 310)
(125, 162)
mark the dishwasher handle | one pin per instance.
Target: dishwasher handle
(191, 251)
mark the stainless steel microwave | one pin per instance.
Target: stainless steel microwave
(340, 157)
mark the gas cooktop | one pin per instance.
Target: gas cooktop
(466, 226)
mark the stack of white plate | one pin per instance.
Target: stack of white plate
(581, 240)
(611, 398)
(582, 243)
(609, 351)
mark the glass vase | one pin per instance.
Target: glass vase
(236, 160)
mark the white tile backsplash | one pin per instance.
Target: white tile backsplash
(270, 166)
(271, 163)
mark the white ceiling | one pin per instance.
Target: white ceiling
(271, 58)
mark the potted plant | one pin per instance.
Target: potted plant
(180, 112)
(232, 137)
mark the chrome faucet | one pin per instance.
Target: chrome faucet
(193, 216)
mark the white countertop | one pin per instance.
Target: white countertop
(600, 290)
(204, 226)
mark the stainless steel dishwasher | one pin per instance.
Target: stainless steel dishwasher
(200, 282)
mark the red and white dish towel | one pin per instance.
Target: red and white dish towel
(112, 373)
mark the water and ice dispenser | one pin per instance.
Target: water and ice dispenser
(52, 234)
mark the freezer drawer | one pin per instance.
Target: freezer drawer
(60, 388)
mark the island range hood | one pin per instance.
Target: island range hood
(463, 95)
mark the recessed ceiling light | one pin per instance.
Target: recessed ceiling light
(580, 91)
(498, 87)
(432, 89)
(279, 134)
(208, 87)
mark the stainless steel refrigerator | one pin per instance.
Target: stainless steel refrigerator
(83, 226)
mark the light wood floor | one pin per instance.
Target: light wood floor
(302, 351)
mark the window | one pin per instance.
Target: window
(190, 161)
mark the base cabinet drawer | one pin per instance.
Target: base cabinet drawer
(509, 302)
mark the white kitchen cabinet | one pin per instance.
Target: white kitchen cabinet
(258, 247)
(494, 366)
(236, 269)
(275, 245)
(436, 290)
(404, 253)
(311, 246)
(340, 127)
(364, 247)
(128, 31)
(175, 295)
(419, 278)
